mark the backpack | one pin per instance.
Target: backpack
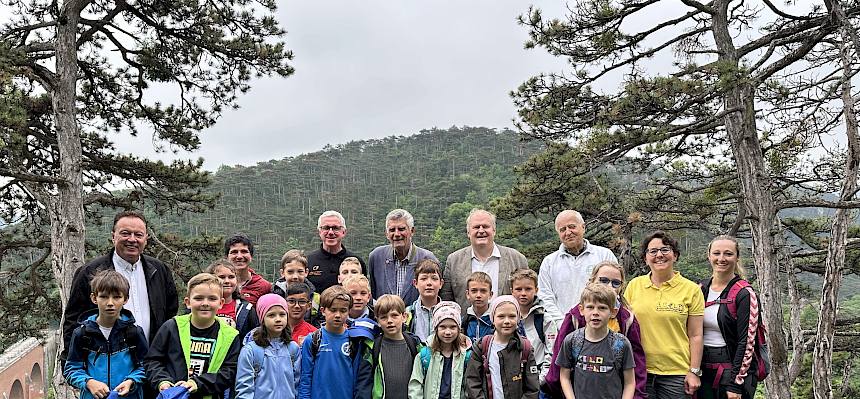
(578, 342)
(412, 342)
(257, 356)
(485, 350)
(539, 327)
(762, 354)
(129, 337)
(425, 354)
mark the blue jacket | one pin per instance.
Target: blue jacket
(110, 361)
(335, 372)
(476, 327)
(268, 373)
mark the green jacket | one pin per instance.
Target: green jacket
(426, 386)
(225, 334)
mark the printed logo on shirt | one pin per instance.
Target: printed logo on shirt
(315, 271)
(201, 352)
(345, 348)
(593, 364)
(679, 308)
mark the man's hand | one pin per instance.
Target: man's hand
(97, 388)
(123, 388)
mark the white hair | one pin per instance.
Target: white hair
(566, 212)
(398, 214)
(478, 210)
(331, 213)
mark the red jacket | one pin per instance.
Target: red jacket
(254, 288)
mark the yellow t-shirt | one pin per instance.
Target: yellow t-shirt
(662, 313)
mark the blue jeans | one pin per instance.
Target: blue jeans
(665, 386)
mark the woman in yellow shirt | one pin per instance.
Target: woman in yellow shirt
(670, 310)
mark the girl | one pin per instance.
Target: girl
(236, 311)
(612, 274)
(728, 340)
(268, 365)
(502, 365)
(437, 371)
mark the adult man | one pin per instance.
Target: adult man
(152, 295)
(483, 255)
(324, 263)
(564, 273)
(240, 252)
(391, 266)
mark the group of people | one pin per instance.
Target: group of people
(481, 325)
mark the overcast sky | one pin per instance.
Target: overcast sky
(371, 69)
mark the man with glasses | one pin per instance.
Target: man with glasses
(564, 273)
(324, 263)
(152, 295)
(392, 266)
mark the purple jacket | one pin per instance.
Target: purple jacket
(573, 320)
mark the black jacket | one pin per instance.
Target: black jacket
(323, 267)
(163, 299)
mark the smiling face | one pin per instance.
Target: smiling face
(447, 331)
(298, 304)
(331, 232)
(571, 230)
(481, 229)
(723, 257)
(399, 234)
(360, 297)
(659, 256)
(275, 321)
(240, 256)
(129, 238)
(204, 300)
(505, 319)
(228, 281)
(611, 277)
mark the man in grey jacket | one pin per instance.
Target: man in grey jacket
(391, 266)
(482, 255)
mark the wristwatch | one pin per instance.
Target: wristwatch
(696, 371)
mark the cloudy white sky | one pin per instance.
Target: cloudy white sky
(372, 69)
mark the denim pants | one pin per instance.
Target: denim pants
(665, 386)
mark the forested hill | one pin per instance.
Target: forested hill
(435, 175)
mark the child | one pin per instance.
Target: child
(601, 359)
(106, 350)
(438, 370)
(541, 331)
(237, 312)
(428, 282)
(298, 302)
(332, 364)
(358, 287)
(502, 365)
(198, 350)
(294, 269)
(479, 290)
(394, 349)
(611, 274)
(269, 365)
(350, 266)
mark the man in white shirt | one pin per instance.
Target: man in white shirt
(564, 273)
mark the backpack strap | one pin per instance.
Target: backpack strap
(316, 338)
(412, 342)
(257, 356)
(525, 351)
(485, 349)
(731, 298)
(539, 327)
(425, 358)
(131, 342)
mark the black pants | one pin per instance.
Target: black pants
(712, 355)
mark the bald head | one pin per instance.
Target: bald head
(571, 230)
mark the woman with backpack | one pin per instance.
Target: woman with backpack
(731, 326)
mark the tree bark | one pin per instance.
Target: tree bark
(66, 211)
(822, 358)
(757, 197)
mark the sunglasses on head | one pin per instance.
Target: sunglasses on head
(608, 281)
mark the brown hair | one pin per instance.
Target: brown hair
(128, 214)
(522, 274)
(616, 266)
(213, 269)
(479, 277)
(739, 268)
(109, 282)
(261, 335)
(665, 238)
(598, 293)
(294, 255)
(330, 294)
(427, 266)
(388, 302)
(204, 278)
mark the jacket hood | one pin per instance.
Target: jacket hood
(537, 308)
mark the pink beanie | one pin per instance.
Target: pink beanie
(446, 310)
(503, 299)
(266, 302)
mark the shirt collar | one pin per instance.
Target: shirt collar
(585, 248)
(496, 253)
(408, 254)
(674, 281)
(118, 261)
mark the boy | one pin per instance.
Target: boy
(601, 360)
(298, 301)
(349, 267)
(294, 269)
(502, 365)
(199, 350)
(428, 281)
(358, 287)
(541, 331)
(332, 364)
(394, 349)
(479, 290)
(108, 329)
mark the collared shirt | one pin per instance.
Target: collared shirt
(401, 267)
(491, 267)
(563, 276)
(421, 318)
(138, 295)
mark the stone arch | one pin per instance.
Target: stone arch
(17, 391)
(37, 381)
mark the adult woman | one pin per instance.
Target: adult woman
(670, 309)
(728, 339)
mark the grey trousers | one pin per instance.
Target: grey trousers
(665, 387)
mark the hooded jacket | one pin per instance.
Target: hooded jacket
(112, 360)
(273, 376)
(476, 327)
(542, 350)
(426, 386)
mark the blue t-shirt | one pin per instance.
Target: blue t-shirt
(445, 386)
(330, 375)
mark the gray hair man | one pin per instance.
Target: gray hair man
(324, 263)
(391, 266)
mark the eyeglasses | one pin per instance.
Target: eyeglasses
(663, 251)
(300, 302)
(332, 228)
(608, 281)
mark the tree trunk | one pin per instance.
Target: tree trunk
(66, 211)
(822, 358)
(757, 197)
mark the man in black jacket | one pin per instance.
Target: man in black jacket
(152, 298)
